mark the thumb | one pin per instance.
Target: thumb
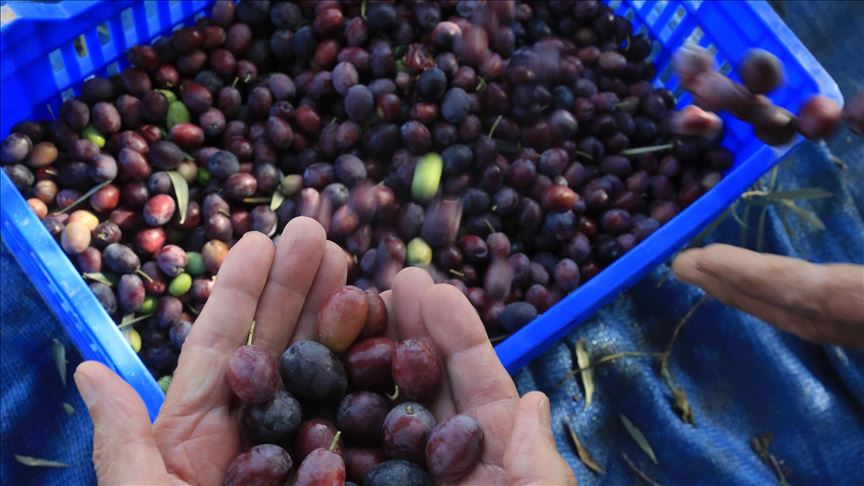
(531, 456)
(124, 450)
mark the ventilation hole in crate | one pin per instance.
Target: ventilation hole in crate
(666, 74)
(696, 3)
(655, 12)
(673, 23)
(67, 93)
(55, 57)
(127, 20)
(113, 68)
(629, 14)
(695, 36)
(200, 15)
(725, 67)
(171, 3)
(637, 4)
(80, 45)
(150, 8)
(177, 27)
(613, 4)
(711, 48)
(104, 33)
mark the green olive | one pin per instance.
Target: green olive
(427, 177)
(168, 94)
(90, 133)
(148, 306)
(419, 253)
(177, 113)
(195, 263)
(180, 285)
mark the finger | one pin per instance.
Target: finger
(298, 256)
(531, 456)
(332, 274)
(785, 318)
(475, 373)
(391, 331)
(124, 450)
(794, 294)
(223, 326)
(409, 286)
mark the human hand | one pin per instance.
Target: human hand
(823, 303)
(282, 287)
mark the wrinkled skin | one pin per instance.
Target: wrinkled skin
(282, 288)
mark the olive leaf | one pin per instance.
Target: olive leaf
(644, 477)
(181, 190)
(647, 150)
(130, 319)
(639, 438)
(36, 462)
(59, 353)
(806, 215)
(277, 200)
(584, 362)
(804, 193)
(257, 200)
(70, 410)
(85, 197)
(98, 277)
(583, 453)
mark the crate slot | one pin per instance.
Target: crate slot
(695, 36)
(55, 57)
(113, 68)
(655, 12)
(80, 45)
(67, 93)
(150, 8)
(126, 20)
(104, 33)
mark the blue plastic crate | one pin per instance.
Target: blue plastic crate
(47, 50)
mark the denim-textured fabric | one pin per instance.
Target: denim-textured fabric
(743, 378)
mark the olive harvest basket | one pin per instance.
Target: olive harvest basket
(48, 49)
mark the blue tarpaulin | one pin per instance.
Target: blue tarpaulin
(743, 379)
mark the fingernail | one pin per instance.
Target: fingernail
(86, 388)
(543, 413)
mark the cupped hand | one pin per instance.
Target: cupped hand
(822, 303)
(281, 288)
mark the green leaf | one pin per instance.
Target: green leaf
(711, 227)
(98, 277)
(760, 228)
(804, 193)
(181, 191)
(59, 353)
(744, 229)
(737, 218)
(70, 410)
(130, 319)
(277, 200)
(36, 462)
(583, 453)
(805, 214)
(639, 438)
(647, 150)
(85, 197)
(257, 200)
(584, 362)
